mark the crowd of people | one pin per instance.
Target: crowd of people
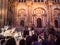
(50, 37)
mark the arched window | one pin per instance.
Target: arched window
(56, 0)
(39, 23)
(42, 0)
(19, 0)
(22, 22)
(56, 23)
(35, 0)
(38, 0)
(22, 0)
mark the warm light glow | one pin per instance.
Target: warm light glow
(19, 6)
(2, 11)
(30, 33)
(39, 11)
(33, 32)
(6, 27)
(29, 28)
(2, 29)
(15, 34)
(20, 34)
(8, 33)
(50, 3)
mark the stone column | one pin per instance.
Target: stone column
(0, 12)
(5, 11)
(29, 6)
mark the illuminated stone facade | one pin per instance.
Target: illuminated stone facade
(30, 12)
(3, 12)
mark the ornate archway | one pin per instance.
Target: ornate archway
(21, 12)
(21, 17)
(40, 13)
(56, 17)
(57, 12)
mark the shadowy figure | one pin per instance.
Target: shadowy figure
(11, 41)
(28, 40)
(35, 40)
(52, 31)
(50, 40)
(2, 41)
(49, 30)
(22, 42)
(58, 38)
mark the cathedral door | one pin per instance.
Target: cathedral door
(56, 23)
(22, 22)
(39, 23)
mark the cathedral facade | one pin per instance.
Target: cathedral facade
(28, 12)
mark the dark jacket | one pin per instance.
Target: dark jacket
(36, 43)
